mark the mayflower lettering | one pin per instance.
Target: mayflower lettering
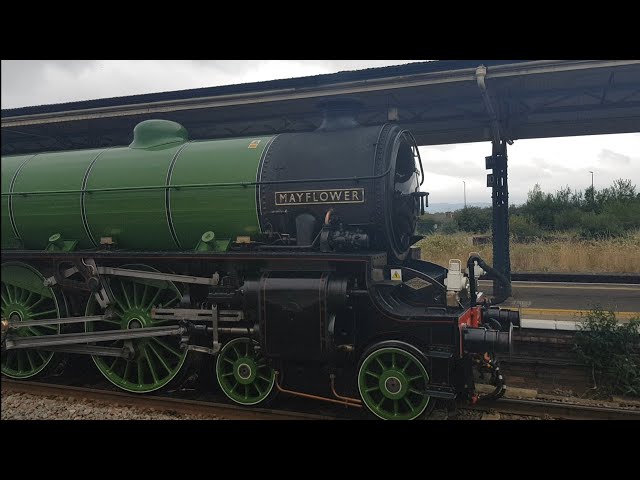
(342, 195)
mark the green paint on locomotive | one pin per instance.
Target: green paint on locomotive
(160, 193)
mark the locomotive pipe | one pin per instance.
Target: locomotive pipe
(492, 273)
(314, 397)
(347, 400)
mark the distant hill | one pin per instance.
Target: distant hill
(452, 207)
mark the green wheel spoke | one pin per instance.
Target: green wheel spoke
(21, 295)
(228, 374)
(41, 314)
(396, 408)
(127, 370)
(140, 372)
(153, 299)
(406, 365)
(168, 303)
(124, 292)
(167, 347)
(415, 377)
(372, 374)
(33, 331)
(393, 359)
(135, 294)
(153, 370)
(28, 353)
(382, 365)
(408, 403)
(27, 300)
(159, 357)
(20, 360)
(9, 293)
(5, 300)
(372, 389)
(113, 364)
(40, 300)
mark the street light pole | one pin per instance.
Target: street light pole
(591, 180)
(465, 193)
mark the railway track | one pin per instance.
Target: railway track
(179, 405)
(558, 410)
(512, 406)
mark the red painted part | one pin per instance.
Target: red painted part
(470, 318)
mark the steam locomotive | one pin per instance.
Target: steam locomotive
(288, 258)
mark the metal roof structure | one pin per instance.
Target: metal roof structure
(440, 101)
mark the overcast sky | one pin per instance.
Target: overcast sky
(553, 162)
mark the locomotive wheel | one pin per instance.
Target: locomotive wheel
(156, 360)
(243, 374)
(391, 379)
(24, 297)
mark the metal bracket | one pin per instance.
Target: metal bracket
(214, 320)
(198, 348)
(51, 281)
(195, 315)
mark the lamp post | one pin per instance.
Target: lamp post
(464, 186)
(591, 180)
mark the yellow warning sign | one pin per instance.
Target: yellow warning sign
(396, 274)
(254, 144)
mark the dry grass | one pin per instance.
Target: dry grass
(564, 254)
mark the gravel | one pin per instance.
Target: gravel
(23, 406)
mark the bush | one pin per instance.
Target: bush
(568, 219)
(522, 228)
(473, 219)
(612, 351)
(594, 225)
(449, 227)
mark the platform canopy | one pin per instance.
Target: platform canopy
(440, 101)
